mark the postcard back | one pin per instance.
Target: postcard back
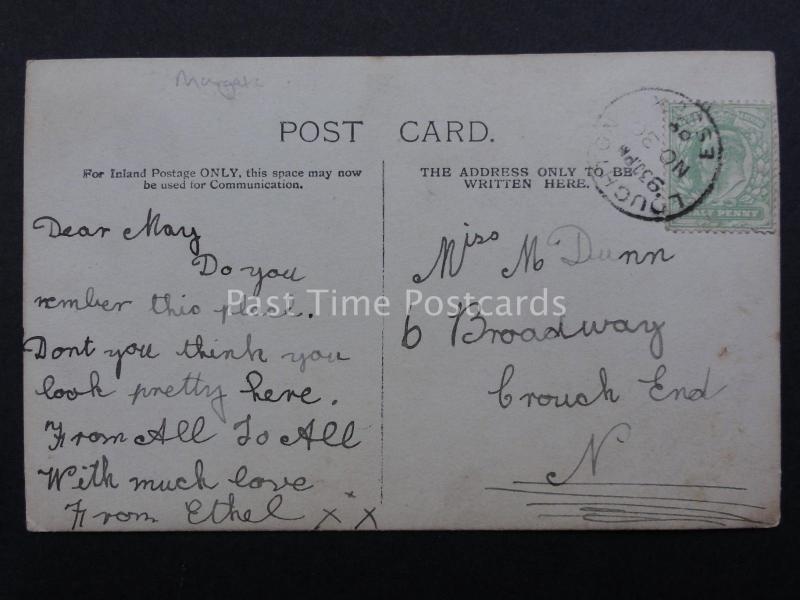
(485, 292)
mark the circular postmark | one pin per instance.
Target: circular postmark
(645, 142)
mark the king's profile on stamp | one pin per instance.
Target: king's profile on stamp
(744, 192)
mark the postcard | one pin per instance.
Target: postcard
(381, 293)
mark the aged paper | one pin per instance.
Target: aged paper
(499, 292)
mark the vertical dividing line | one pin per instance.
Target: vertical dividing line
(383, 293)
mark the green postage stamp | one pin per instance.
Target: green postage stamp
(744, 189)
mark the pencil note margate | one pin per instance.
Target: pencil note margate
(498, 292)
